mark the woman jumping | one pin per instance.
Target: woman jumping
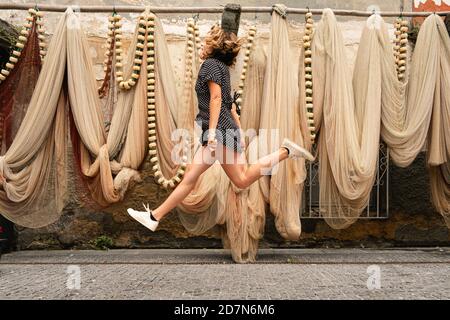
(221, 129)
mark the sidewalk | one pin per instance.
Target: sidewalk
(210, 274)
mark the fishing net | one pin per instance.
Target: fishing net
(350, 111)
(33, 168)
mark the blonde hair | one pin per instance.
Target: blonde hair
(222, 45)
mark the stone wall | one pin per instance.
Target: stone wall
(411, 221)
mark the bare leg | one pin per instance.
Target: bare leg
(243, 176)
(201, 162)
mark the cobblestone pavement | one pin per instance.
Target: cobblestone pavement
(210, 274)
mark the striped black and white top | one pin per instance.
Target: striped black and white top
(227, 130)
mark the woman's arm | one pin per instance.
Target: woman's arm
(215, 103)
(235, 116)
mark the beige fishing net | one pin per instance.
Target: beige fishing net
(32, 170)
(348, 112)
(418, 116)
(280, 118)
(38, 154)
(350, 118)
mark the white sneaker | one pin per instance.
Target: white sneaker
(144, 217)
(295, 151)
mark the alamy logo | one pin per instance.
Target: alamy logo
(74, 278)
(374, 280)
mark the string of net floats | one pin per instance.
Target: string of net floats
(324, 105)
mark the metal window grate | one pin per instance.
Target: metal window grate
(378, 207)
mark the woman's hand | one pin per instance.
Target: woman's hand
(212, 141)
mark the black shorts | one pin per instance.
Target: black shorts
(231, 138)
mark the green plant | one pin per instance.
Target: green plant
(103, 243)
(8, 37)
(413, 33)
(8, 33)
